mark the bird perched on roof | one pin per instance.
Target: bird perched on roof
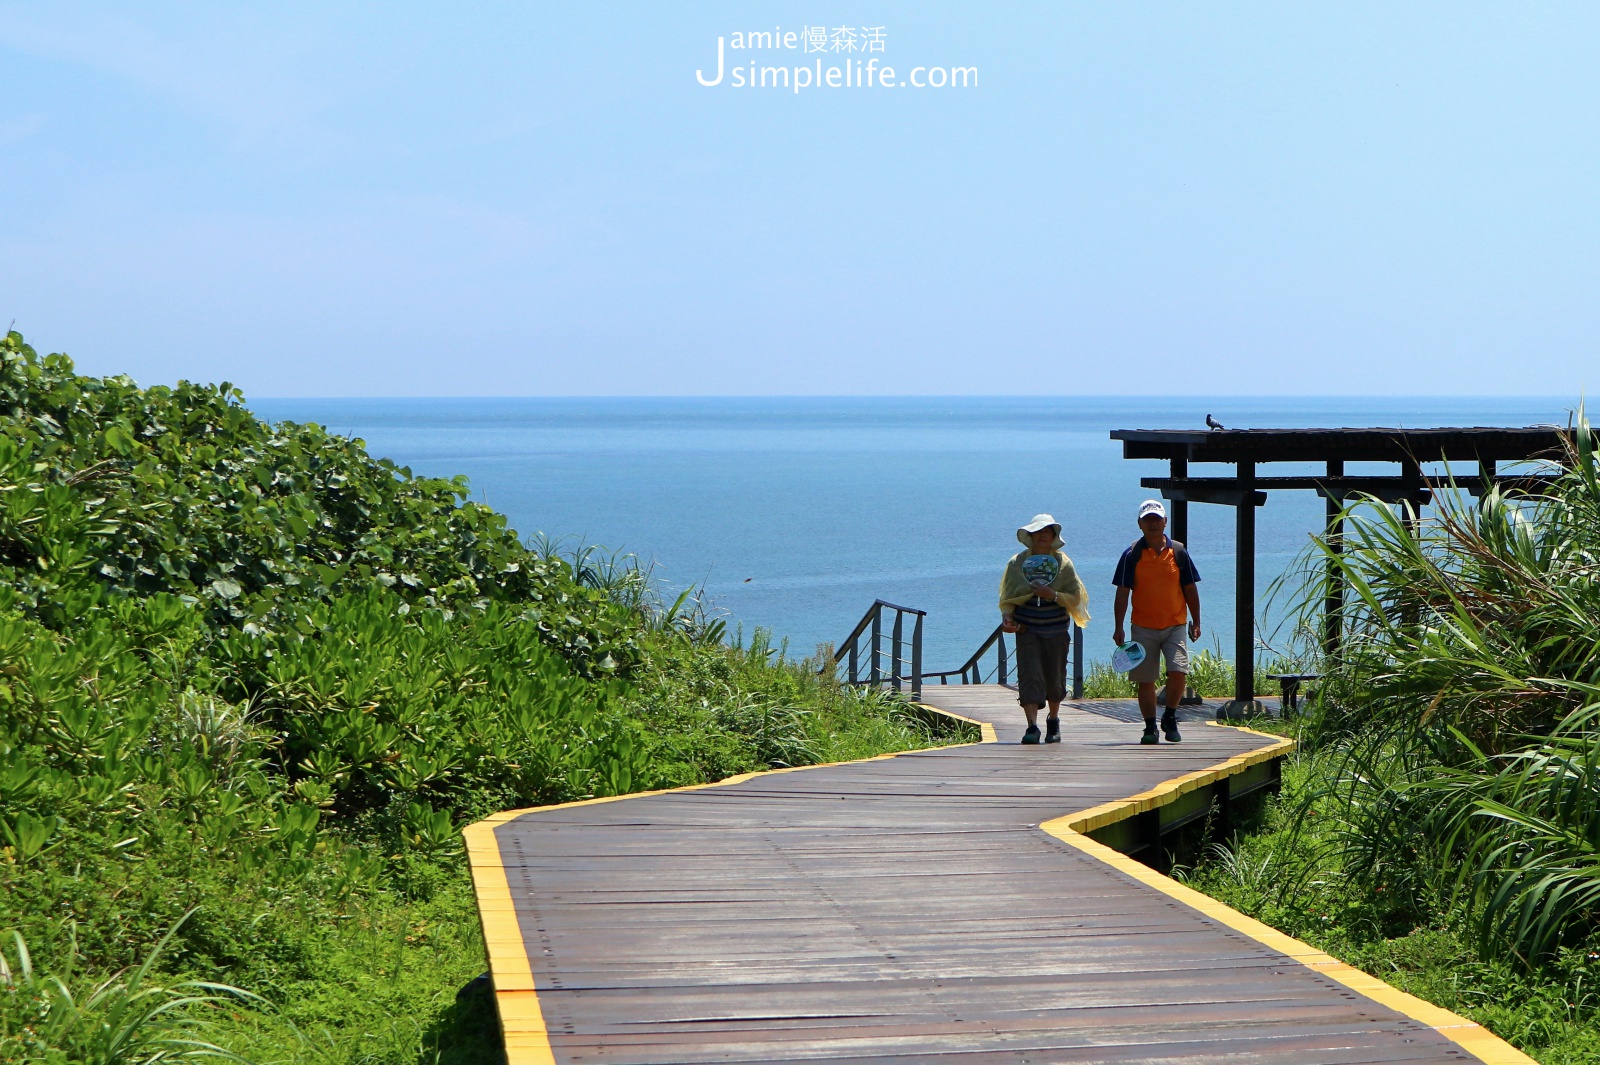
(1212, 423)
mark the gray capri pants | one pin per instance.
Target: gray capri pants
(1042, 667)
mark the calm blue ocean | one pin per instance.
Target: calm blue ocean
(795, 513)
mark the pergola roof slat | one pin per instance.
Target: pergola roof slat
(1467, 444)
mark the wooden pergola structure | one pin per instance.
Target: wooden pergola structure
(1245, 489)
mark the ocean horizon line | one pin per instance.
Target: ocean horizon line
(1189, 397)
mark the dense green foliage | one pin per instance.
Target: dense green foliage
(1289, 866)
(251, 675)
(110, 489)
(1465, 707)
(1442, 828)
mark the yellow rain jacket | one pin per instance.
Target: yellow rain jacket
(1070, 593)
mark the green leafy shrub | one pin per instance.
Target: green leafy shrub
(252, 684)
(111, 490)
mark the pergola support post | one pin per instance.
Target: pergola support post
(1411, 518)
(1179, 507)
(1333, 593)
(1411, 473)
(1243, 703)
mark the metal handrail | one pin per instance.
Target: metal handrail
(873, 620)
(872, 610)
(971, 671)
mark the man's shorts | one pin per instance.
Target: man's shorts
(1158, 643)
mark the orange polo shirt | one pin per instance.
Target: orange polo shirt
(1157, 582)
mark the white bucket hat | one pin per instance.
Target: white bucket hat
(1040, 521)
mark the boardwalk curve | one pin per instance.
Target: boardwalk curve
(938, 905)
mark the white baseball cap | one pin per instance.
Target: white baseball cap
(1152, 506)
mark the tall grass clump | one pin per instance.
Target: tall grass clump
(129, 1018)
(1441, 823)
(1465, 702)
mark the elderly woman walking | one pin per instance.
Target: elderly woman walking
(1040, 597)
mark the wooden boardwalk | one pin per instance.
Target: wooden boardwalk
(912, 909)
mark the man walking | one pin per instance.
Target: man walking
(1040, 597)
(1156, 573)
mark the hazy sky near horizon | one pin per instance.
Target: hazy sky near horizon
(532, 199)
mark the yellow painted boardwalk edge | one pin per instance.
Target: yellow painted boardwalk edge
(1470, 1035)
(527, 1039)
(522, 1025)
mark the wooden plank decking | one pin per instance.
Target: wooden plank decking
(911, 909)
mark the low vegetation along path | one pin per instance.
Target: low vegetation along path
(931, 906)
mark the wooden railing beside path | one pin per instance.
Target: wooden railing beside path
(943, 905)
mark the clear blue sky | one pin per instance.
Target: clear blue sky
(385, 199)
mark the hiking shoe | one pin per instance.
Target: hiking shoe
(1032, 735)
(1169, 727)
(1149, 733)
(1052, 730)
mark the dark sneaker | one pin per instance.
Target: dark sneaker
(1149, 733)
(1169, 727)
(1052, 730)
(1032, 735)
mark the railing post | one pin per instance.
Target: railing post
(1077, 661)
(898, 643)
(916, 658)
(877, 643)
(1001, 644)
(855, 672)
